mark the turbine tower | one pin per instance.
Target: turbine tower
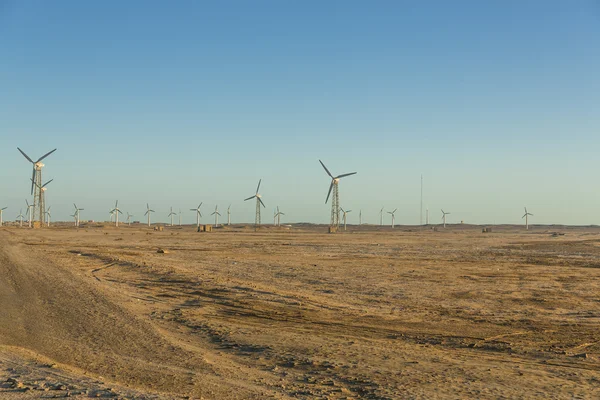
(148, 211)
(229, 215)
(198, 214)
(116, 211)
(1, 211)
(359, 217)
(345, 213)
(77, 209)
(381, 217)
(129, 219)
(74, 218)
(393, 216)
(526, 216)
(171, 215)
(216, 214)
(274, 217)
(444, 217)
(258, 204)
(21, 217)
(427, 216)
(36, 186)
(180, 217)
(335, 202)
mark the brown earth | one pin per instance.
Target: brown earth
(298, 313)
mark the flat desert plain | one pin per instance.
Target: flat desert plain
(294, 312)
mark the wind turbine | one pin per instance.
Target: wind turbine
(229, 215)
(216, 214)
(75, 217)
(444, 217)
(526, 216)
(112, 215)
(49, 215)
(198, 214)
(171, 215)
(29, 212)
(180, 217)
(148, 211)
(77, 209)
(129, 219)
(278, 215)
(427, 216)
(345, 212)
(1, 211)
(381, 216)
(274, 217)
(335, 203)
(359, 217)
(36, 185)
(258, 203)
(116, 211)
(21, 217)
(393, 216)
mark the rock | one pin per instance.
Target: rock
(581, 355)
(162, 251)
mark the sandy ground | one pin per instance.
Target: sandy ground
(297, 313)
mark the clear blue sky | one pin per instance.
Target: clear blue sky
(172, 103)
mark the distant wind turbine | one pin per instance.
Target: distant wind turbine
(49, 215)
(171, 215)
(381, 216)
(77, 209)
(335, 202)
(116, 211)
(198, 214)
(278, 216)
(20, 216)
(229, 215)
(129, 218)
(444, 217)
(148, 211)
(216, 214)
(526, 216)
(393, 216)
(29, 212)
(345, 213)
(258, 204)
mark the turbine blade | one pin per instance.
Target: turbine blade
(44, 185)
(395, 209)
(146, 213)
(46, 155)
(343, 175)
(326, 170)
(329, 193)
(249, 198)
(32, 179)
(26, 156)
(261, 202)
(258, 185)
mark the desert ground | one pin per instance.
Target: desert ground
(294, 312)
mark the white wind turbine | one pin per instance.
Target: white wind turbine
(49, 215)
(129, 218)
(216, 214)
(335, 201)
(171, 215)
(359, 217)
(1, 211)
(444, 217)
(229, 215)
(76, 214)
(274, 217)
(427, 217)
(344, 215)
(258, 204)
(526, 216)
(29, 212)
(278, 216)
(20, 216)
(116, 211)
(180, 217)
(198, 214)
(393, 216)
(381, 216)
(148, 211)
